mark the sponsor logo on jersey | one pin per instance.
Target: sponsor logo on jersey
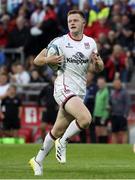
(69, 46)
(78, 58)
(87, 45)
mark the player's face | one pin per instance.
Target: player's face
(76, 24)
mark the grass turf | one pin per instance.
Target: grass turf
(84, 161)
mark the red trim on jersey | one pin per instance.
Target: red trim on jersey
(73, 38)
(65, 86)
(64, 83)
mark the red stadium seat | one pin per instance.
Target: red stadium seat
(26, 133)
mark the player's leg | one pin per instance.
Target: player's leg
(58, 130)
(75, 107)
(79, 111)
(62, 122)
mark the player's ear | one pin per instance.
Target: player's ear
(84, 22)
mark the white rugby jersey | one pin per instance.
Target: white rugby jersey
(72, 74)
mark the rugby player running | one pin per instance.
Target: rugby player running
(79, 56)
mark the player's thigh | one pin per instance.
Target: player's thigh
(62, 122)
(77, 109)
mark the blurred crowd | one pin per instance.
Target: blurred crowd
(29, 26)
(109, 107)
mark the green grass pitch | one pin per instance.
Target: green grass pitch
(84, 161)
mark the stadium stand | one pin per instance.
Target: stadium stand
(27, 26)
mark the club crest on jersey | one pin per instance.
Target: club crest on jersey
(87, 45)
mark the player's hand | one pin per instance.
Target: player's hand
(97, 62)
(54, 59)
(94, 57)
(42, 59)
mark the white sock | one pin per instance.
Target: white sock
(47, 146)
(72, 129)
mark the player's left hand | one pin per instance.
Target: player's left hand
(97, 62)
(94, 57)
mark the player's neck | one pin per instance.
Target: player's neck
(76, 37)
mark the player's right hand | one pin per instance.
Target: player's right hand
(54, 59)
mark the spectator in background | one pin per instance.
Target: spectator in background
(50, 25)
(13, 69)
(4, 85)
(104, 46)
(62, 14)
(19, 36)
(47, 29)
(22, 77)
(12, 6)
(3, 69)
(115, 9)
(90, 14)
(100, 26)
(119, 105)
(27, 7)
(38, 14)
(36, 34)
(90, 102)
(47, 26)
(101, 114)
(115, 22)
(111, 39)
(35, 77)
(117, 64)
(125, 33)
(101, 9)
(126, 8)
(95, 13)
(132, 16)
(2, 59)
(6, 27)
(11, 112)
(49, 108)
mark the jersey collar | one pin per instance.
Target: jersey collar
(73, 38)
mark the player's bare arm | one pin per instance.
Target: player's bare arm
(97, 64)
(42, 59)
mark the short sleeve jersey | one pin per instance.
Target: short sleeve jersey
(76, 61)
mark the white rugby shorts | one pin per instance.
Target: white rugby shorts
(63, 92)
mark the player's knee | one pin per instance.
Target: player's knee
(85, 120)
